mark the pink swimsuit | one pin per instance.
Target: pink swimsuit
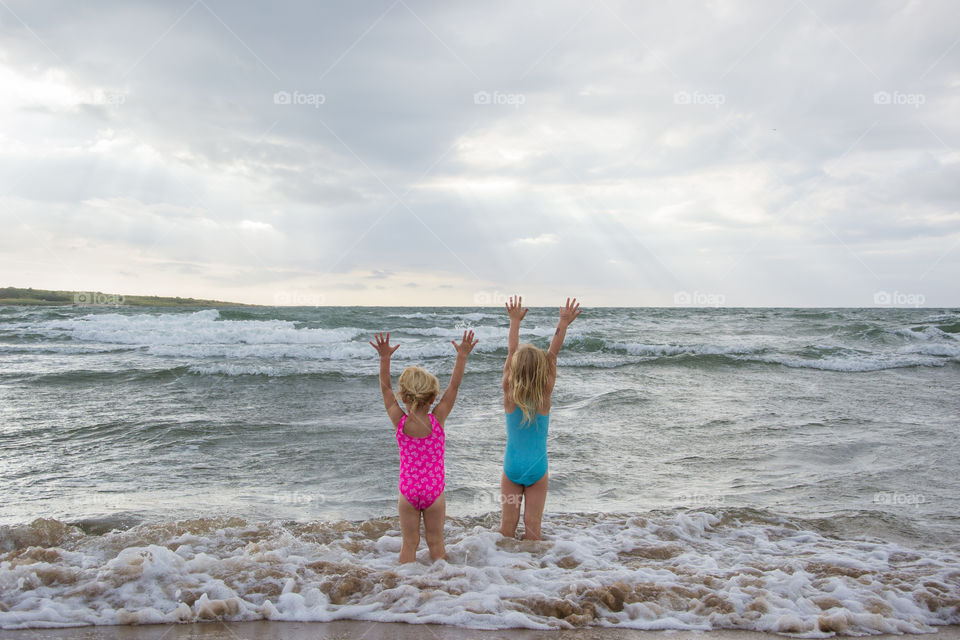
(421, 465)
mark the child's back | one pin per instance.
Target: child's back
(529, 375)
(421, 440)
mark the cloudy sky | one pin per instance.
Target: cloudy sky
(781, 153)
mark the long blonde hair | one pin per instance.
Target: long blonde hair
(418, 387)
(528, 379)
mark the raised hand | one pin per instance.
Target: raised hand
(383, 345)
(515, 308)
(445, 406)
(466, 344)
(570, 312)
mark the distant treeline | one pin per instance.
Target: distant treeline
(14, 295)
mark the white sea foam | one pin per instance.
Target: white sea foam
(203, 334)
(660, 350)
(850, 364)
(61, 347)
(829, 358)
(690, 570)
(481, 332)
(200, 327)
(345, 351)
(475, 316)
(415, 315)
(235, 369)
(947, 350)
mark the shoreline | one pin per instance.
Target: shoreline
(357, 630)
(29, 297)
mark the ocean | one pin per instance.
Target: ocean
(789, 470)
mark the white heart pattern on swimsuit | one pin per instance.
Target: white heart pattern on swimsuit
(421, 465)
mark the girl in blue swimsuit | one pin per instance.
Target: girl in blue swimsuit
(528, 378)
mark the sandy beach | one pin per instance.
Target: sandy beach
(355, 630)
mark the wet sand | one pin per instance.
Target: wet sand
(354, 630)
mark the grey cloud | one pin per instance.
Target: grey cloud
(600, 122)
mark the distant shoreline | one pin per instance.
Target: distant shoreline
(46, 297)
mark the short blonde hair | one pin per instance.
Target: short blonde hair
(418, 387)
(528, 379)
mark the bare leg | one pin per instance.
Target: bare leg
(434, 517)
(536, 495)
(410, 530)
(511, 497)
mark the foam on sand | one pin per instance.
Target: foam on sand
(356, 630)
(691, 570)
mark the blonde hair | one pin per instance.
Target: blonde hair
(418, 387)
(528, 379)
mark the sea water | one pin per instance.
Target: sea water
(790, 470)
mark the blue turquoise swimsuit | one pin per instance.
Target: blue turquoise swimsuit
(525, 460)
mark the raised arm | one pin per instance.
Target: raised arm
(445, 406)
(516, 312)
(386, 387)
(568, 314)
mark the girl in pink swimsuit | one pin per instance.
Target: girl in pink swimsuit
(420, 437)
